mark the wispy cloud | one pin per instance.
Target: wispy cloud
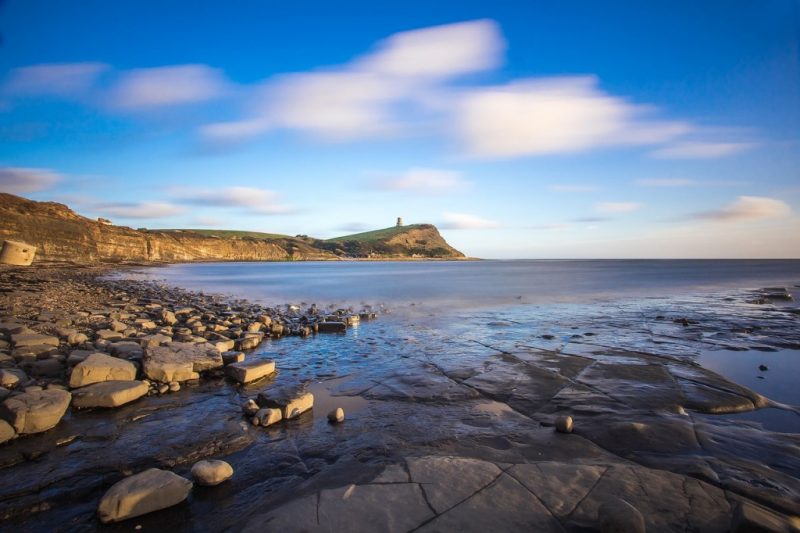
(425, 181)
(665, 182)
(617, 207)
(363, 98)
(701, 150)
(66, 80)
(139, 210)
(550, 227)
(166, 86)
(355, 227)
(466, 221)
(552, 116)
(591, 219)
(21, 180)
(749, 208)
(255, 200)
(572, 188)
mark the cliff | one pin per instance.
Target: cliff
(60, 234)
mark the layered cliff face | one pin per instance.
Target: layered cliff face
(60, 234)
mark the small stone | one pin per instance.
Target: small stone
(618, 516)
(6, 431)
(163, 388)
(211, 472)
(290, 407)
(232, 357)
(11, 377)
(168, 317)
(249, 343)
(336, 416)
(332, 327)
(564, 424)
(174, 386)
(32, 339)
(250, 407)
(73, 339)
(763, 368)
(148, 491)
(267, 417)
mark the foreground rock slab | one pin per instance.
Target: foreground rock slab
(180, 361)
(248, 371)
(35, 411)
(99, 367)
(148, 491)
(109, 393)
(290, 406)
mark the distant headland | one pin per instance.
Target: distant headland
(60, 234)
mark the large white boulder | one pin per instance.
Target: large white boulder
(148, 491)
(35, 411)
(180, 361)
(99, 367)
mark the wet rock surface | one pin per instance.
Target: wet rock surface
(450, 417)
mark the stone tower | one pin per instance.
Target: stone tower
(399, 221)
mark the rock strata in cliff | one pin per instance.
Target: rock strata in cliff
(60, 234)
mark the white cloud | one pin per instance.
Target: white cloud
(665, 182)
(362, 98)
(465, 221)
(426, 181)
(356, 227)
(208, 221)
(571, 188)
(551, 227)
(439, 52)
(255, 200)
(749, 207)
(22, 180)
(56, 79)
(139, 210)
(617, 207)
(555, 115)
(700, 150)
(165, 86)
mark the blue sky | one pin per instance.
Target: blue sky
(522, 129)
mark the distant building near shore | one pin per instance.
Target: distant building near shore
(399, 221)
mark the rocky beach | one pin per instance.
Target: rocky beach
(132, 404)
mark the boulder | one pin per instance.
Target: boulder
(148, 491)
(109, 335)
(180, 361)
(20, 340)
(100, 367)
(6, 432)
(232, 357)
(266, 417)
(168, 317)
(17, 253)
(11, 377)
(224, 345)
(109, 394)
(291, 407)
(157, 339)
(331, 327)
(249, 343)
(35, 411)
(248, 371)
(211, 472)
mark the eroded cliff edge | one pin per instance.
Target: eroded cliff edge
(60, 234)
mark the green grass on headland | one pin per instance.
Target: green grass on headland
(377, 235)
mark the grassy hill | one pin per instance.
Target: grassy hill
(378, 235)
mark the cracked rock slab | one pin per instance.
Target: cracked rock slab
(450, 480)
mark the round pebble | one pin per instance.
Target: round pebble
(211, 472)
(336, 416)
(564, 424)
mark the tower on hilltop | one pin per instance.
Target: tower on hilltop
(399, 221)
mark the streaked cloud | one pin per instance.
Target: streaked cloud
(591, 219)
(749, 208)
(617, 207)
(355, 227)
(552, 116)
(363, 98)
(572, 188)
(138, 210)
(22, 180)
(255, 200)
(550, 227)
(665, 182)
(467, 221)
(425, 181)
(66, 80)
(701, 150)
(166, 86)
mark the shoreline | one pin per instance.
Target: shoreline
(637, 416)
